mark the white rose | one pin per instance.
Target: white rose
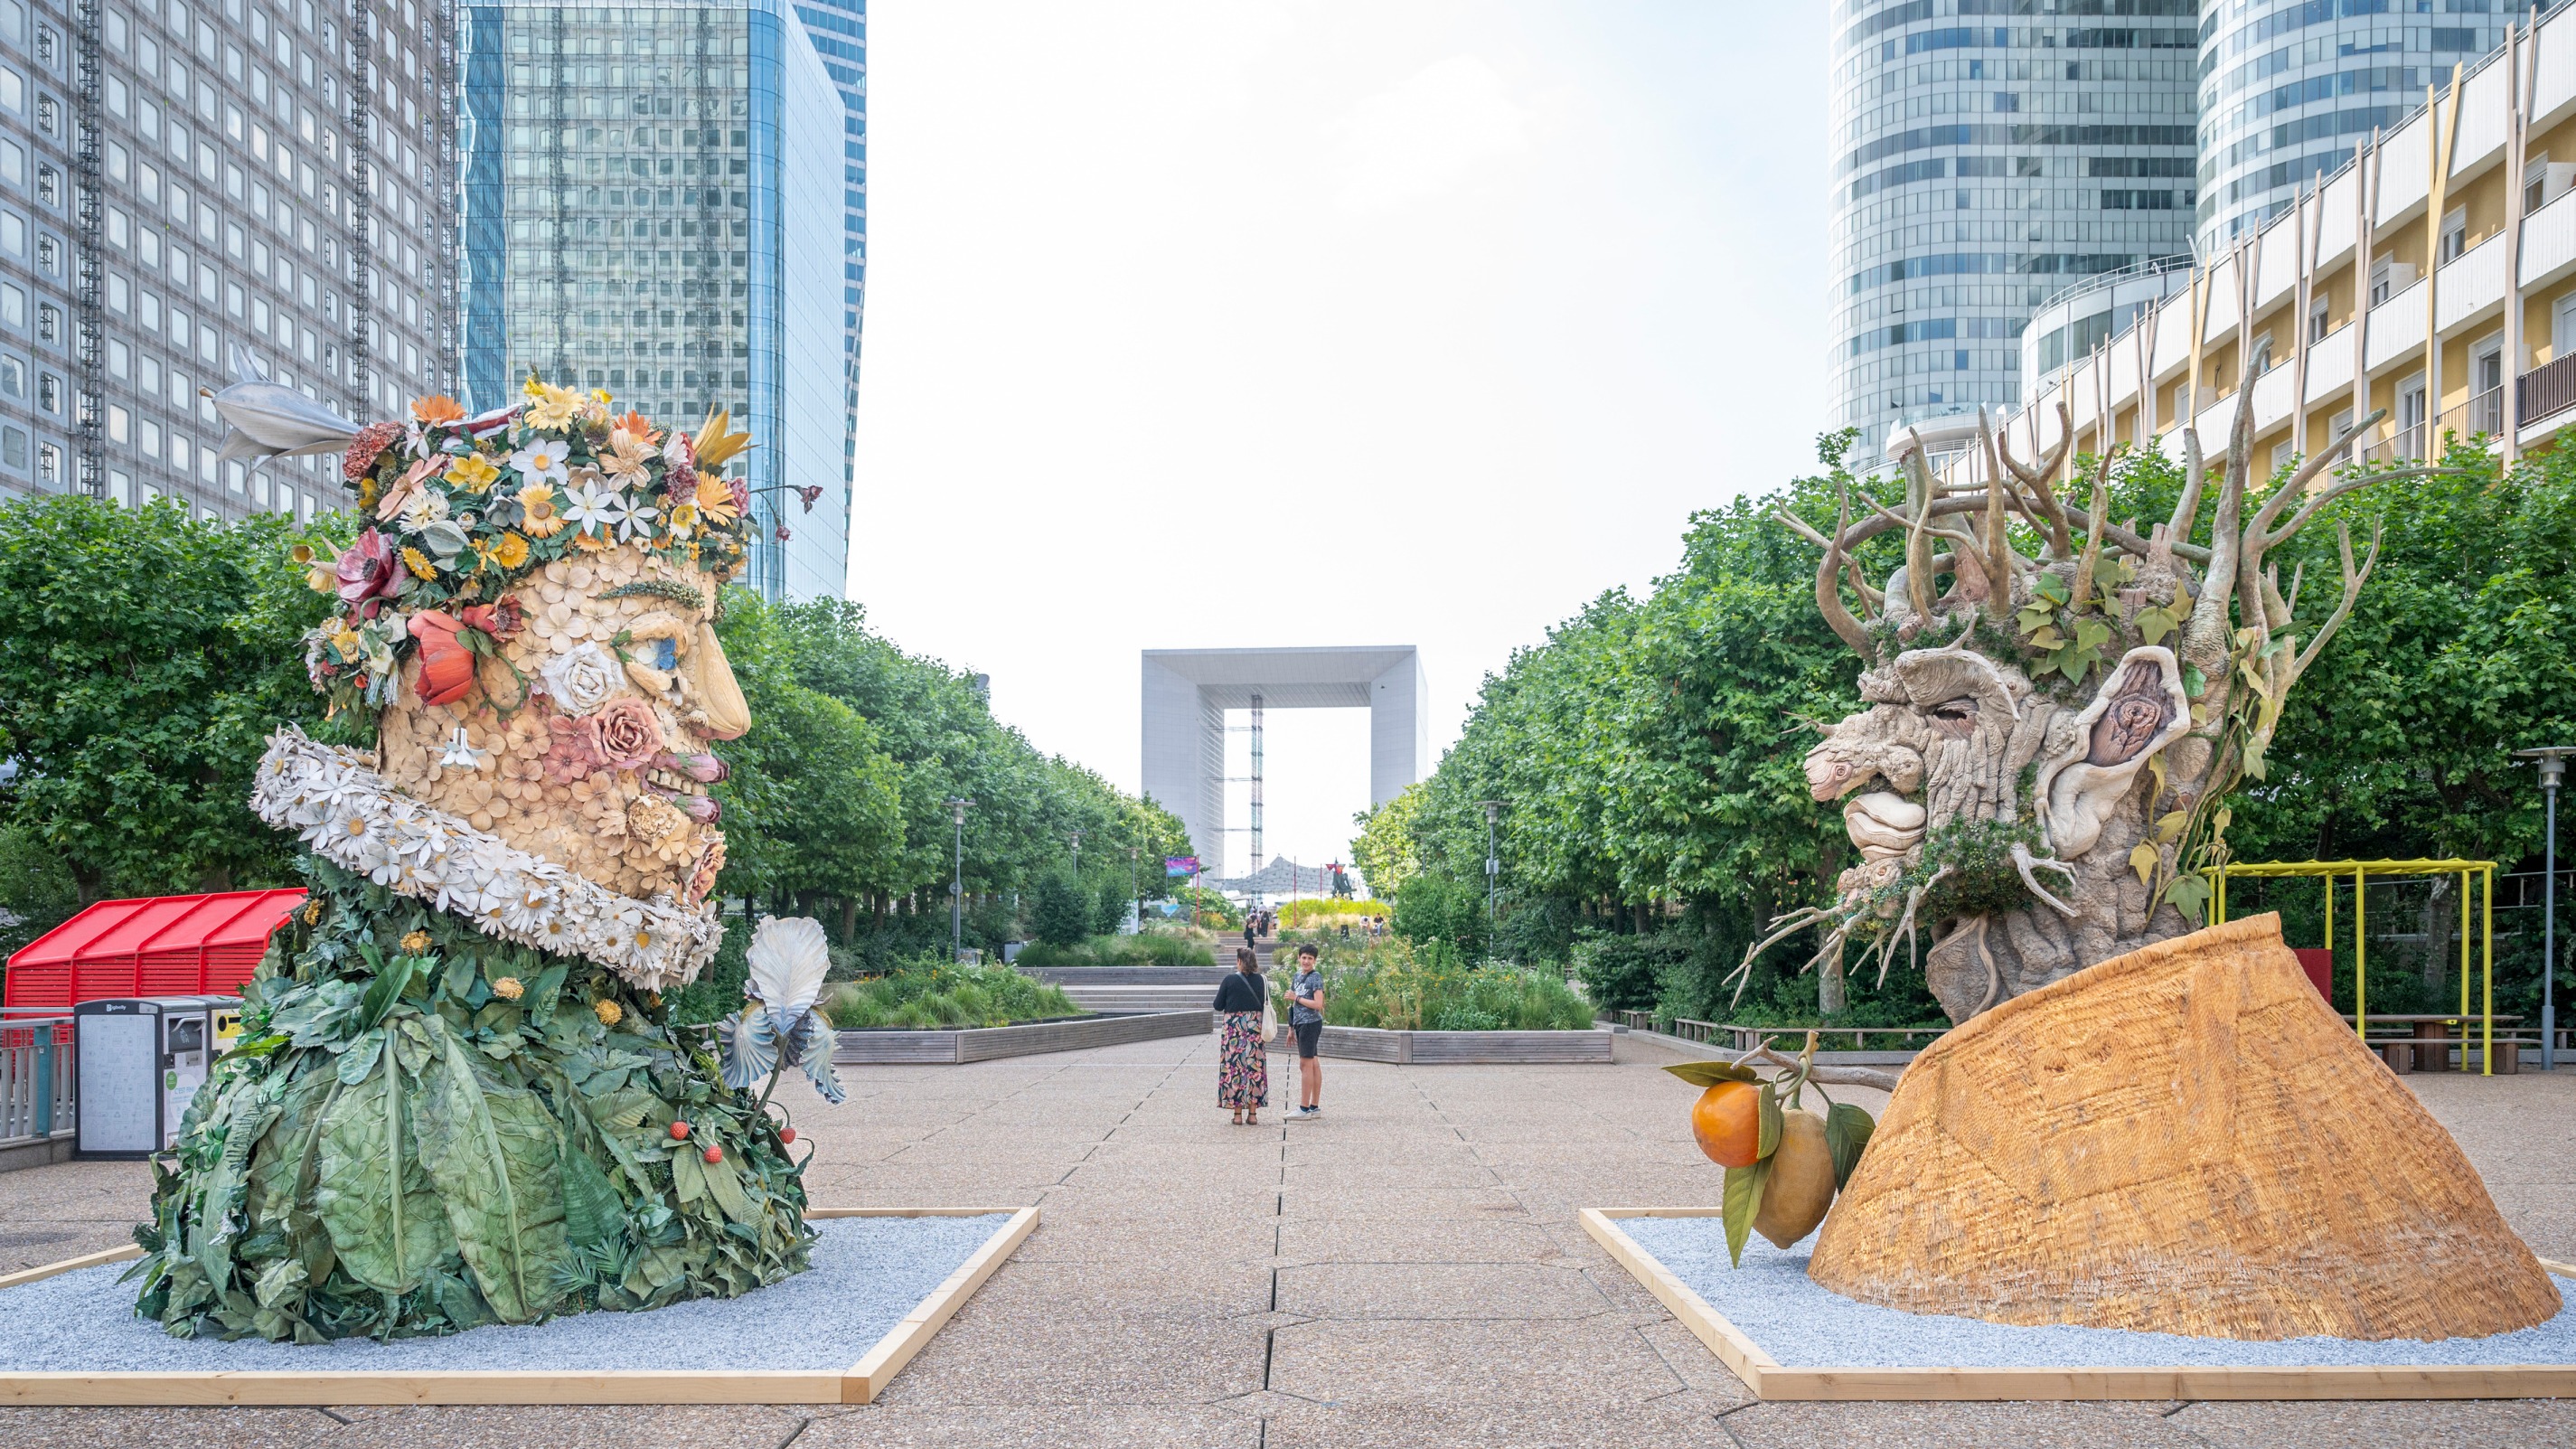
(582, 679)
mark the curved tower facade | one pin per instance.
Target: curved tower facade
(1986, 154)
(2288, 87)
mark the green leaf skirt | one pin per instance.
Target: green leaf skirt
(424, 1130)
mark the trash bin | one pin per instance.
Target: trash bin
(141, 1061)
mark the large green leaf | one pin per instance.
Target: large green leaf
(492, 1152)
(593, 1215)
(1743, 1204)
(724, 1184)
(386, 1225)
(1768, 1123)
(1847, 1133)
(1709, 1074)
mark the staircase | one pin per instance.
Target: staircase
(1134, 988)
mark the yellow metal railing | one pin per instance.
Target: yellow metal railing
(2361, 871)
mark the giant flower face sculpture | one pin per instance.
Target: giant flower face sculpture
(565, 636)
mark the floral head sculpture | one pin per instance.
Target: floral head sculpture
(530, 614)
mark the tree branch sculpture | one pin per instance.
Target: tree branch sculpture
(2082, 713)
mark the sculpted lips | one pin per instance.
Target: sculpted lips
(1884, 826)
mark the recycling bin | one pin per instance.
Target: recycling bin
(141, 1061)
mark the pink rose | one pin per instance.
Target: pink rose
(628, 735)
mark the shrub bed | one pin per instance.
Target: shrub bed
(1396, 987)
(934, 995)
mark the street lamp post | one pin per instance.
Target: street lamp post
(1133, 893)
(1493, 863)
(957, 884)
(2553, 767)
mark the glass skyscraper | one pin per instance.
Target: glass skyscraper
(839, 30)
(650, 206)
(2288, 87)
(1987, 154)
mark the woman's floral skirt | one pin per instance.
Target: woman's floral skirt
(1243, 1065)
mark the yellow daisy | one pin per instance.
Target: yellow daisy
(418, 562)
(511, 552)
(542, 521)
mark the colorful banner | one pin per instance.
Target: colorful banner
(1180, 865)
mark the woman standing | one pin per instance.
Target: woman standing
(1243, 1050)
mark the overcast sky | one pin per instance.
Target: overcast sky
(1257, 324)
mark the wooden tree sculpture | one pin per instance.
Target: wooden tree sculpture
(2047, 746)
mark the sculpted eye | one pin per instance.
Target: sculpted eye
(1954, 717)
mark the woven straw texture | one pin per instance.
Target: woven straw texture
(2184, 1139)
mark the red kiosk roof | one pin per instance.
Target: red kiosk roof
(172, 945)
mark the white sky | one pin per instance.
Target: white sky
(1202, 324)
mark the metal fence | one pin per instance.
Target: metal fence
(37, 1084)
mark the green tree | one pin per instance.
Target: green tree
(144, 658)
(1062, 911)
(1384, 851)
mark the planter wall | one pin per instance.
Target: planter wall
(979, 1044)
(1371, 1044)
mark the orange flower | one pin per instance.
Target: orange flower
(446, 666)
(636, 424)
(436, 408)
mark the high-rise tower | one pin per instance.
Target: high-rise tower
(651, 207)
(1985, 155)
(180, 178)
(2288, 87)
(839, 31)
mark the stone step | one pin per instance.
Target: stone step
(1139, 998)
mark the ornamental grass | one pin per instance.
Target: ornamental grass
(934, 995)
(1400, 987)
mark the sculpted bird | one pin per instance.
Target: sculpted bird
(778, 1023)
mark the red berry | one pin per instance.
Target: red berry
(786, 1134)
(715, 1154)
(679, 1131)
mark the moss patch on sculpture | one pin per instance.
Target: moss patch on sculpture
(425, 1130)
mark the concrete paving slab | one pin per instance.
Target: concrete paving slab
(1522, 1292)
(1455, 1364)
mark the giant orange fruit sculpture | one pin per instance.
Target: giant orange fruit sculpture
(1727, 1121)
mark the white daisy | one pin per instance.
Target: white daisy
(586, 507)
(542, 460)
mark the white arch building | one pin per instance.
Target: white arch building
(1188, 691)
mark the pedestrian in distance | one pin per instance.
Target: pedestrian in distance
(1251, 925)
(1243, 1040)
(1306, 1019)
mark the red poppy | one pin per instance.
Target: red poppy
(500, 618)
(368, 571)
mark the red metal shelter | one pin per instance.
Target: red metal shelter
(155, 946)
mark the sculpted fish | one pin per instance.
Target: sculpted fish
(270, 420)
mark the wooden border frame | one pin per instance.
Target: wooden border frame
(860, 1383)
(1768, 1380)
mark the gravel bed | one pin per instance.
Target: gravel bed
(868, 1274)
(1802, 1324)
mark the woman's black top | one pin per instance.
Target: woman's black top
(1239, 992)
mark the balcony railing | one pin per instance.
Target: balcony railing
(2546, 390)
(38, 1088)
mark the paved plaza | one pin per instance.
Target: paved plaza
(1406, 1271)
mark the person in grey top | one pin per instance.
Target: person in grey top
(1306, 1019)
